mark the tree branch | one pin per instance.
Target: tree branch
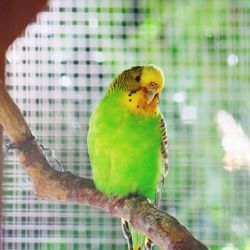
(163, 229)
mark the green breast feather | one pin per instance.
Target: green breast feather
(124, 149)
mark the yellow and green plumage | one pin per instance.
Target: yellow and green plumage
(127, 139)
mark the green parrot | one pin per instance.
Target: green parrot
(127, 141)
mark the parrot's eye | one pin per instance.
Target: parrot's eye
(138, 78)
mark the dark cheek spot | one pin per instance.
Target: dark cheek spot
(130, 100)
(137, 106)
(133, 91)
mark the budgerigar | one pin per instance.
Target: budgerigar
(127, 141)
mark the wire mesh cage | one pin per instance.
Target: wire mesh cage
(59, 70)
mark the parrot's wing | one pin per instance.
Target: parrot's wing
(164, 170)
(164, 159)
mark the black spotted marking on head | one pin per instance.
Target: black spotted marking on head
(130, 100)
(138, 78)
(137, 73)
(127, 81)
(137, 106)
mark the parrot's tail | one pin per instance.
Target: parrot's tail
(135, 240)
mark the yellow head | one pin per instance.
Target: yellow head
(141, 86)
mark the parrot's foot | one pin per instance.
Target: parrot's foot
(127, 234)
(148, 244)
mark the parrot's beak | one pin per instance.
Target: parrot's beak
(152, 91)
(151, 95)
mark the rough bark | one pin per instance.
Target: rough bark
(163, 229)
